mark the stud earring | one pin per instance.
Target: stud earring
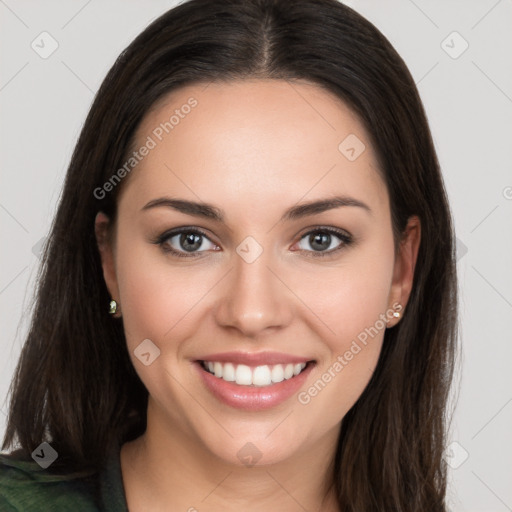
(113, 307)
(396, 313)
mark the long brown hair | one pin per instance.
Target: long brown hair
(75, 386)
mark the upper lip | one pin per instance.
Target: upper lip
(254, 358)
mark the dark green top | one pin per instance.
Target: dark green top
(26, 487)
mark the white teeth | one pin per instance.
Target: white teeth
(217, 369)
(261, 376)
(244, 375)
(277, 373)
(228, 372)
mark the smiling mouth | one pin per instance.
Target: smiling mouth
(256, 376)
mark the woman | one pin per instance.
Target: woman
(248, 298)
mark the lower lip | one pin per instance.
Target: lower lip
(253, 398)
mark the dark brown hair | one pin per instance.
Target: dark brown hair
(75, 386)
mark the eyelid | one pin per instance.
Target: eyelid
(170, 233)
(324, 228)
(345, 237)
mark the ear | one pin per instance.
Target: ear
(102, 230)
(405, 263)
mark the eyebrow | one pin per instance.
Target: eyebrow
(299, 211)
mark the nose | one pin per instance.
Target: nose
(254, 300)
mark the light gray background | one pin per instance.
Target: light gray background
(468, 100)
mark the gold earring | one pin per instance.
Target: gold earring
(113, 307)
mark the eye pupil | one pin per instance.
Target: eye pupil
(320, 241)
(190, 241)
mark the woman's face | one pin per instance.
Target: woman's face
(254, 231)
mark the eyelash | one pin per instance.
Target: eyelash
(345, 238)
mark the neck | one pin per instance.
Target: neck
(172, 470)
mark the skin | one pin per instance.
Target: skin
(254, 149)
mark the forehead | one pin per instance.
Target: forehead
(255, 140)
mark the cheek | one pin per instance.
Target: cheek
(350, 297)
(154, 297)
(157, 303)
(352, 301)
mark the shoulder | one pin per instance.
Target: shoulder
(27, 487)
